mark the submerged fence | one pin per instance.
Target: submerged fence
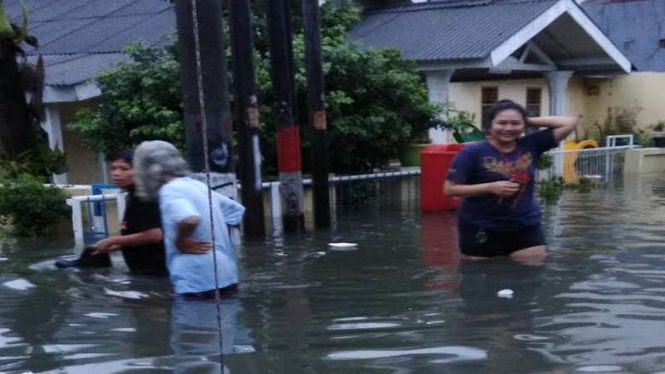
(94, 216)
(599, 164)
(383, 190)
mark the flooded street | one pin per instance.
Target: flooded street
(399, 302)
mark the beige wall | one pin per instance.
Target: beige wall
(642, 91)
(82, 163)
(466, 95)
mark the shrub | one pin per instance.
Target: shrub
(31, 207)
(40, 161)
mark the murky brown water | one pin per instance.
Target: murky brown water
(401, 302)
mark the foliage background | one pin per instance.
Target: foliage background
(376, 103)
(30, 207)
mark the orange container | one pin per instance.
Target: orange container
(434, 163)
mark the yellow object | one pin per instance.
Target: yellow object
(569, 158)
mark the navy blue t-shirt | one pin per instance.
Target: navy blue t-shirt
(482, 163)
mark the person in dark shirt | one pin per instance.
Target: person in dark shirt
(499, 215)
(141, 239)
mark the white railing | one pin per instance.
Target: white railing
(81, 205)
(95, 221)
(592, 163)
(629, 139)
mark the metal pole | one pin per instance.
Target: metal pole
(215, 91)
(287, 132)
(317, 113)
(247, 116)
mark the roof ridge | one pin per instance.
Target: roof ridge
(444, 4)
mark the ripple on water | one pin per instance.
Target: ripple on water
(456, 353)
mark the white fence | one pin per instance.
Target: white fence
(600, 164)
(90, 218)
(96, 221)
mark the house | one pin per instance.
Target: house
(78, 39)
(554, 56)
(637, 28)
(540, 53)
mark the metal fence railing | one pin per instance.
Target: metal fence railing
(600, 164)
(95, 215)
(382, 190)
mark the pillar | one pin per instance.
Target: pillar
(558, 87)
(53, 128)
(438, 82)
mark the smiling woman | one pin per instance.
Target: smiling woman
(499, 215)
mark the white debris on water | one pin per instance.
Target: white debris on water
(505, 293)
(101, 315)
(19, 284)
(126, 294)
(342, 245)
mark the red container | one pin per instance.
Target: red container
(434, 163)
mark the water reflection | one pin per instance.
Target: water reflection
(400, 302)
(195, 338)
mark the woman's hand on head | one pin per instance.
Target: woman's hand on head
(504, 188)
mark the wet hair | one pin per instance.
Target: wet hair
(153, 162)
(502, 106)
(126, 155)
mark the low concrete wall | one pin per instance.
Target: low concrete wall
(645, 160)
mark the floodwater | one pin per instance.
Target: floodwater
(401, 302)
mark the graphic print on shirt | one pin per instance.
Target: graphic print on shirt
(515, 171)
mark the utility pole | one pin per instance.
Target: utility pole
(317, 112)
(215, 92)
(247, 116)
(286, 130)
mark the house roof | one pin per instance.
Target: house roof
(79, 38)
(482, 34)
(444, 30)
(636, 27)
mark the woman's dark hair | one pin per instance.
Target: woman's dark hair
(126, 155)
(501, 106)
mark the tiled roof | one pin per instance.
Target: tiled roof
(635, 27)
(78, 38)
(446, 30)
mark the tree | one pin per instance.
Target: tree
(19, 120)
(376, 102)
(141, 101)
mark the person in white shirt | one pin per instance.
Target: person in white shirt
(161, 173)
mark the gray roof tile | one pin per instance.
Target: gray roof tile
(635, 27)
(87, 38)
(79, 38)
(446, 30)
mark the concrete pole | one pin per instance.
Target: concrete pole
(317, 113)
(215, 93)
(438, 82)
(247, 117)
(286, 129)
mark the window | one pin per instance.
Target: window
(489, 97)
(534, 101)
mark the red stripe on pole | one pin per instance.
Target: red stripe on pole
(288, 148)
